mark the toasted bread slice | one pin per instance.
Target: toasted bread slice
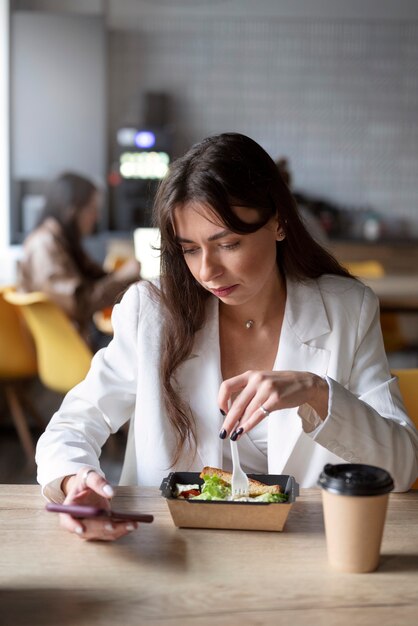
(255, 487)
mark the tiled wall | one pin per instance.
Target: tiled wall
(339, 98)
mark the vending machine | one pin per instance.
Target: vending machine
(141, 160)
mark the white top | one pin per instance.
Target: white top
(252, 450)
(330, 327)
(253, 447)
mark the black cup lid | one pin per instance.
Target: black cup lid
(355, 479)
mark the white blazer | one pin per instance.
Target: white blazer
(331, 327)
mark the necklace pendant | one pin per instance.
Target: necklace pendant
(249, 323)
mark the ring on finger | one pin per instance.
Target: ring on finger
(266, 413)
(85, 476)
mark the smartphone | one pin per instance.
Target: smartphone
(82, 511)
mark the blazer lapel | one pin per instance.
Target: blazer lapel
(304, 321)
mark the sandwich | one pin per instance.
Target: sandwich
(217, 486)
(255, 488)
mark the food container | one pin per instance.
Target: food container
(229, 515)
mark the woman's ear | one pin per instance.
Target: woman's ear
(280, 234)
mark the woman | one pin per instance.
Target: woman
(254, 332)
(55, 262)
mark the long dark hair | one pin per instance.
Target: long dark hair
(221, 172)
(66, 196)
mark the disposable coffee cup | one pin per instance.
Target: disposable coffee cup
(355, 499)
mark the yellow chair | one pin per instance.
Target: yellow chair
(17, 366)
(365, 269)
(63, 356)
(408, 383)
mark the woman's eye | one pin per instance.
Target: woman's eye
(230, 246)
(224, 246)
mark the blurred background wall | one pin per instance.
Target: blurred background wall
(339, 97)
(330, 84)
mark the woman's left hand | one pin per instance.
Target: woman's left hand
(251, 396)
(88, 487)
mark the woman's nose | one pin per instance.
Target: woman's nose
(209, 268)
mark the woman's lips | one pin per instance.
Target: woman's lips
(223, 291)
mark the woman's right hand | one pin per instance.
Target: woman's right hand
(93, 490)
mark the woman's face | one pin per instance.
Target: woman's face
(234, 267)
(88, 215)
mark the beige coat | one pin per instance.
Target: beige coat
(47, 266)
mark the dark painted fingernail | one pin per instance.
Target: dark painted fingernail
(222, 434)
(223, 412)
(237, 433)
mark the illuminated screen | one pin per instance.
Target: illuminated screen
(145, 139)
(145, 242)
(144, 165)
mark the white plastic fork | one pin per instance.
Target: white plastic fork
(239, 483)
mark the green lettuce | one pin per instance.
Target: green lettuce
(271, 497)
(213, 488)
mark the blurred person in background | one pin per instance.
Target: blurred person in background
(56, 263)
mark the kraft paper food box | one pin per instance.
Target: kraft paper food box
(229, 515)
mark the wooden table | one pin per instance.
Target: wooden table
(162, 575)
(397, 289)
(397, 293)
